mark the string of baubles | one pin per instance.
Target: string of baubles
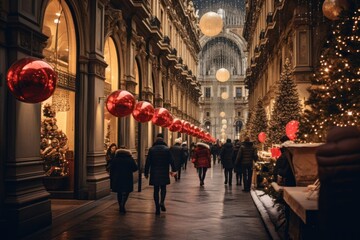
(122, 103)
(33, 80)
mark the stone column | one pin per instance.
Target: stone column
(25, 204)
(98, 183)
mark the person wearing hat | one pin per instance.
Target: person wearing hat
(157, 164)
(179, 157)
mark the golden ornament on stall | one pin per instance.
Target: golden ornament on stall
(332, 8)
(222, 75)
(211, 24)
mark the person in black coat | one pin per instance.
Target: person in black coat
(237, 168)
(214, 149)
(187, 154)
(226, 156)
(283, 169)
(246, 156)
(157, 164)
(339, 174)
(178, 154)
(121, 176)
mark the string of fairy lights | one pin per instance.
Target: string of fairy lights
(339, 76)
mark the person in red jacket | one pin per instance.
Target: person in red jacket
(202, 160)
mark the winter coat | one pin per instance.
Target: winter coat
(157, 164)
(121, 171)
(283, 167)
(202, 156)
(339, 173)
(246, 155)
(186, 151)
(226, 155)
(178, 154)
(235, 152)
(215, 149)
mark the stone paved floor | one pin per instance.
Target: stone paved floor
(215, 211)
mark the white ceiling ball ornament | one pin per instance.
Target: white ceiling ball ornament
(222, 75)
(224, 95)
(222, 130)
(224, 121)
(222, 114)
(224, 126)
(211, 24)
(223, 135)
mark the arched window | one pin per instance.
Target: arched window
(58, 111)
(111, 84)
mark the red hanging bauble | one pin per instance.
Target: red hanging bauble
(186, 127)
(120, 103)
(162, 117)
(143, 111)
(176, 125)
(31, 80)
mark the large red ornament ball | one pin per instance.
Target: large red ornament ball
(186, 127)
(120, 103)
(176, 125)
(31, 80)
(262, 137)
(332, 8)
(143, 111)
(291, 129)
(162, 117)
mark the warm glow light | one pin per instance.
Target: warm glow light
(224, 95)
(222, 75)
(222, 114)
(211, 24)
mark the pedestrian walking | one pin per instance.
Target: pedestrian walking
(202, 160)
(187, 154)
(226, 156)
(178, 154)
(215, 150)
(110, 154)
(237, 167)
(157, 164)
(121, 177)
(246, 156)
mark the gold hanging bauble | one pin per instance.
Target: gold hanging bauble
(224, 121)
(332, 8)
(211, 24)
(224, 95)
(222, 114)
(222, 75)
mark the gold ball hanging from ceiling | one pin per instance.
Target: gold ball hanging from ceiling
(222, 114)
(222, 75)
(211, 24)
(224, 95)
(332, 8)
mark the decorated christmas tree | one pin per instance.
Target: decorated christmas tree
(287, 105)
(53, 145)
(260, 122)
(250, 122)
(334, 95)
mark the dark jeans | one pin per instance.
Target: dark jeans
(214, 158)
(160, 200)
(228, 175)
(202, 174)
(247, 176)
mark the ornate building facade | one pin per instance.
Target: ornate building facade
(149, 48)
(224, 105)
(276, 30)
